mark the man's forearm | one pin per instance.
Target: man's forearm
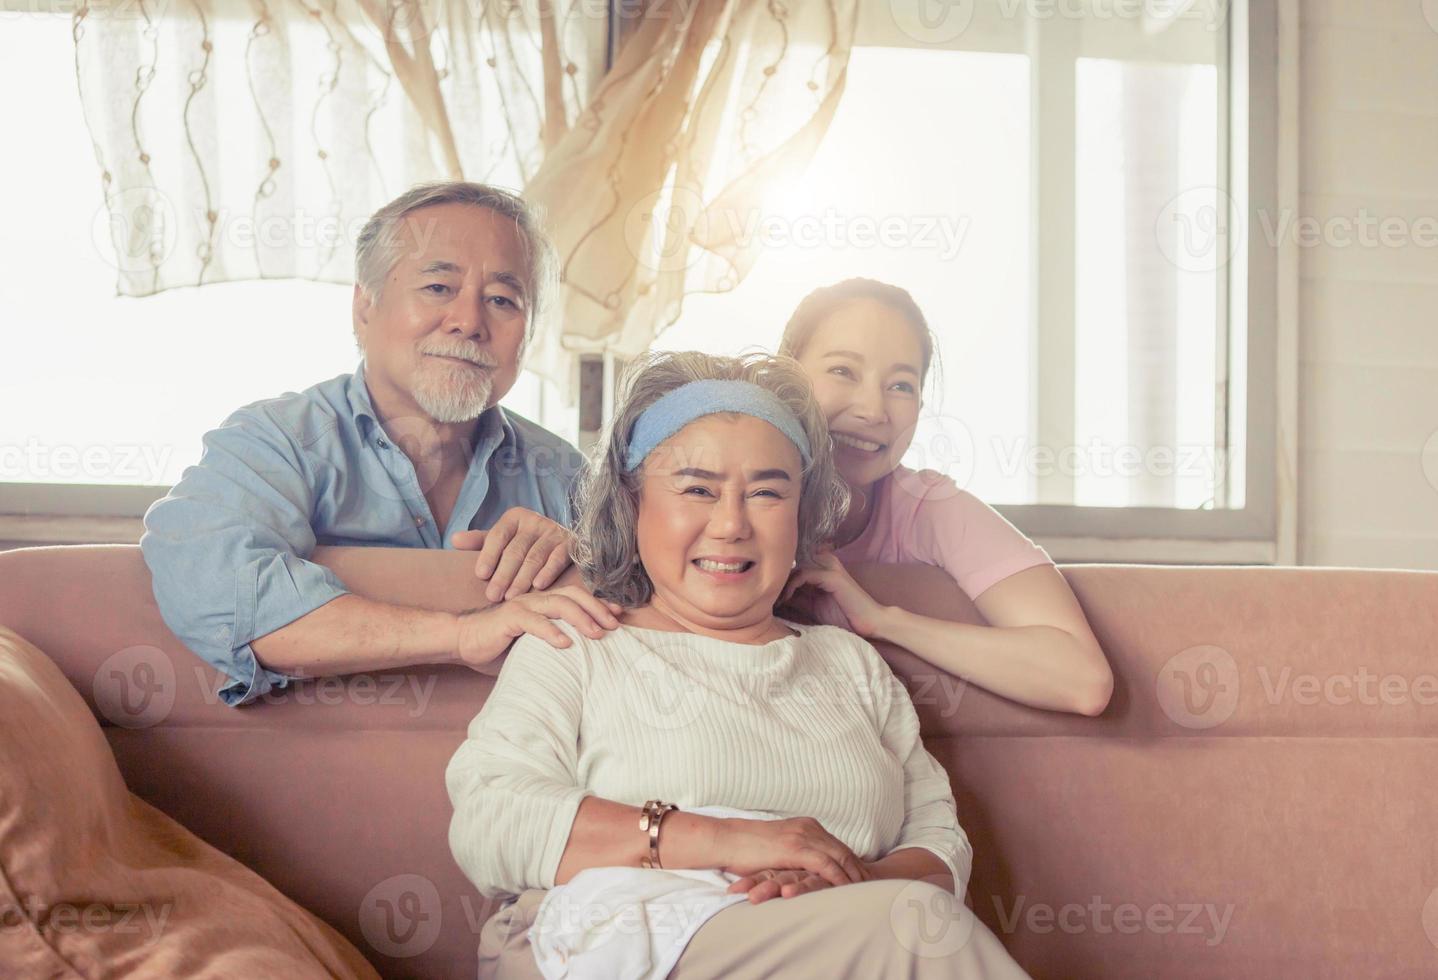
(351, 633)
(424, 578)
(421, 578)
(403, 611)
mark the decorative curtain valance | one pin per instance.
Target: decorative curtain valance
(658, 189)
(245, 139)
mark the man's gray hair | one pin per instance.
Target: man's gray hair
(607, 500)
(378, 246)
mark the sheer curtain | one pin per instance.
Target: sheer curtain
(704, 121)
(246, 139)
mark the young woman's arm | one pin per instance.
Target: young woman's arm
(1038, 649)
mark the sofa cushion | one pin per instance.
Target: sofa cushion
(94, 881)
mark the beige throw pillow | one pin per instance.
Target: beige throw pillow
(95, 882)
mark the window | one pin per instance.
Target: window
(1055, 182)
(114, 393)
(892, 196)
(1066, 187)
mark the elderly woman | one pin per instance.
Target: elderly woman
(709, 789)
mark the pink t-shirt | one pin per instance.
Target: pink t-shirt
(924, 517)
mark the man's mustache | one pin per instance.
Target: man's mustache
(471, 354)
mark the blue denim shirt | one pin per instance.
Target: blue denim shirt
(227, 547)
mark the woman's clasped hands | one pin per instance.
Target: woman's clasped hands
(785, 858)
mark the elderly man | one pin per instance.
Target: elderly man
(410, 451)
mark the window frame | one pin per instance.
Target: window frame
(1247, 534)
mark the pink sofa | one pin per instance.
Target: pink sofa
(1258, 801)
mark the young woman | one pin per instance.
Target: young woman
(867, 350)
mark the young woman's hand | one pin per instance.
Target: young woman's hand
(523, 550)
(866, 617)
(749, 847)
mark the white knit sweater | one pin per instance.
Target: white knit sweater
(812, 725)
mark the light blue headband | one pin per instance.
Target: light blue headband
(676, 409)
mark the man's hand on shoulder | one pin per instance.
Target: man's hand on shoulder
(485, 634)
(524, 550)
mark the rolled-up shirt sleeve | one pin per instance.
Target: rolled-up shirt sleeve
(930, 816)
(227, 550)
(514, 783)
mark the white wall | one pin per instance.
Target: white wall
(1368, 348)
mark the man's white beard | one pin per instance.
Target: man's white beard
(450, 392)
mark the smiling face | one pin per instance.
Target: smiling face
(864, 361)
(718, 521)
(444, 335)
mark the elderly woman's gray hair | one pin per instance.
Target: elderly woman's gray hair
(607, 549)
(377, 248)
